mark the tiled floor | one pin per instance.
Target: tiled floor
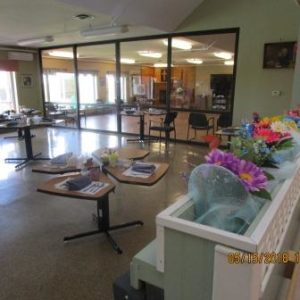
(130, 124)
(34, 261)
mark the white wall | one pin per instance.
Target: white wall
(296, 84)
(260, 22)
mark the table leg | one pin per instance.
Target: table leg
(142, 128)
(104, 224)
(28, 143)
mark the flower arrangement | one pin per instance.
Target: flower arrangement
(109, 157)
(251, 176)
(255, 148)
(252, 149)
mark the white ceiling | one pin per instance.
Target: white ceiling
(203, 48)
(21, 19)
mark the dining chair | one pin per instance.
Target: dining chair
(167, 126)
(224, 120)
(199, 121)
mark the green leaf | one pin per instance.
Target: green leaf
(270, 164)
(263, 193)
(269, 176)
(284, 144)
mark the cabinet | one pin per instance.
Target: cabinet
(222, 85)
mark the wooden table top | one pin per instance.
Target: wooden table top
(54, 169)
(117, 173)
(134, 114)
(234, 131)
(125, 153)
(49, 188)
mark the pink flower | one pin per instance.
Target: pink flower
(221, 158)
(251, 176)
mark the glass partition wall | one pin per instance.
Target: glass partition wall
(143, 79)
(202, 79)
(59, 86)
(194, 74)
(97, 86)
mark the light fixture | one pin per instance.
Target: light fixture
(196, 61)
(127, 61)
(60, 53)
(180, 44)
(161, 65)
(224, 55)
(150, 54)
(229, 62)
(104, 30)
(33, 41)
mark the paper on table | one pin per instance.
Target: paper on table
(131, 173)
(91, 189)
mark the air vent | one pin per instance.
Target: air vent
(81, 17)
(20, 56)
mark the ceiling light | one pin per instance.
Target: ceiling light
(224, 55)
(180, 44)
(127, 61)
(150, 54)
(161, 65)
(104, 30)
(196, 61)
(229, 62)
(40, 40)
(59, 53)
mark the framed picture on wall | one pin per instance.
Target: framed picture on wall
(26, 81)
(280, 55)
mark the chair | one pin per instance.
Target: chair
(167, 126)
(198, 121)
(225, 120)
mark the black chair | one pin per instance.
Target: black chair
(198, 121)
(167, 126)
(225, 120)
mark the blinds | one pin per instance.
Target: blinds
(9, 65)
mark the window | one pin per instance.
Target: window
(88, 91)
(60, 87)
(111, 87)
(8, 92)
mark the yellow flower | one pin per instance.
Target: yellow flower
(265, 122)
(291, 125)
(276, 118)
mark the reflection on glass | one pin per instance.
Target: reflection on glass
(59, 85)
(97, 87)
(143, 79)
(202, 75)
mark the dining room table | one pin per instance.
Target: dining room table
(26, 128)
(97, 191)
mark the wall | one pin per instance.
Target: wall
(296, 83)
(202, 84)
(260, 22)
(28, 96)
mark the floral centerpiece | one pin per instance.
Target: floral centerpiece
(109, 157)
(251, 176)
(259, 141)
